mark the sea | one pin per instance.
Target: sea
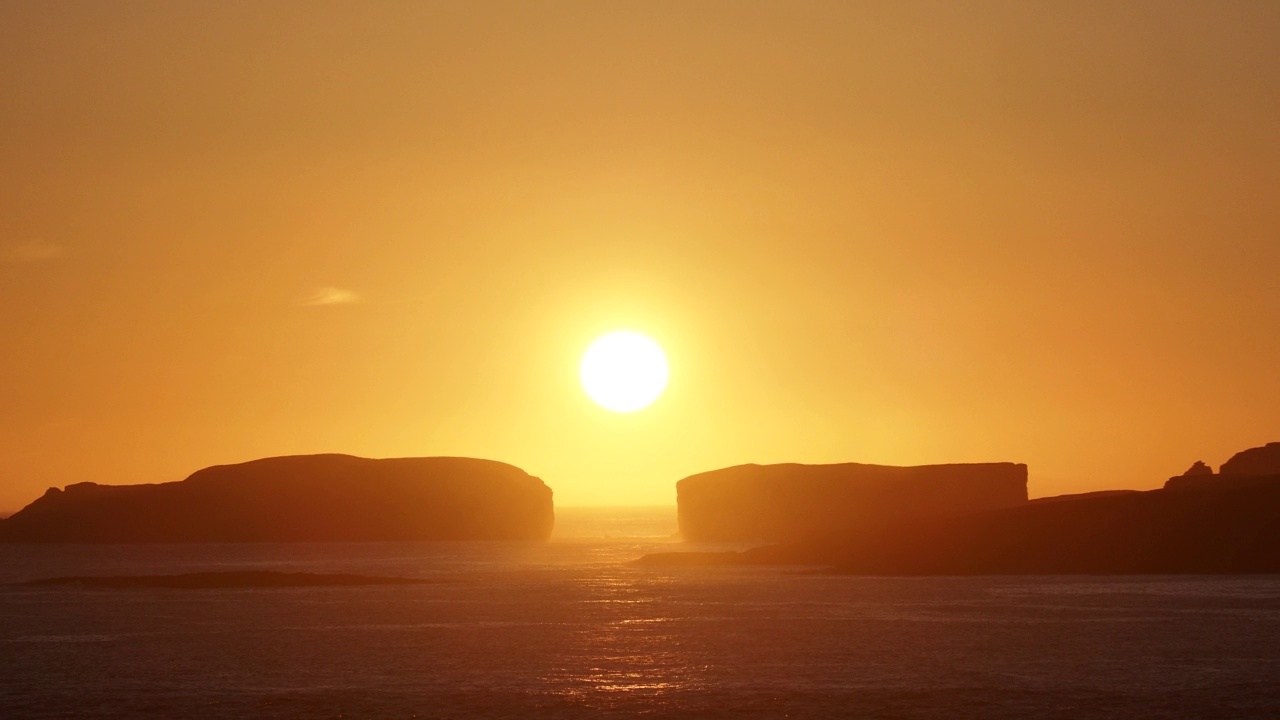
(569, 629)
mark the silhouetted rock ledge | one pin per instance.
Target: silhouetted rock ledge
(1210, 528)
(1254, 462)
(792, 501)
(226, 580)
(305, 498)
(1243, 467)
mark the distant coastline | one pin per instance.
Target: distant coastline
(959, 519)
(872, 520)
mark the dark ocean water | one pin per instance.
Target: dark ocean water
(568, 630)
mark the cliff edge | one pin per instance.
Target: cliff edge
(1257, 461)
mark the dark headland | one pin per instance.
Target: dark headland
(306, 498)
(1198, 523)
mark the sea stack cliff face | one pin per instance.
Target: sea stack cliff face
(316, 498)
(796, 502)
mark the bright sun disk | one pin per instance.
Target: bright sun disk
(623, 371)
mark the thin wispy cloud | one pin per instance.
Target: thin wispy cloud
(330, 296)
(31, 251)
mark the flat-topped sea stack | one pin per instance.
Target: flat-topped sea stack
(796, 502)
(307, 498)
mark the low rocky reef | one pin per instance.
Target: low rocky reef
(228, 580)
(793, 502)
(304, 498)
(1199, 523)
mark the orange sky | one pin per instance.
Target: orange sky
(883, 232)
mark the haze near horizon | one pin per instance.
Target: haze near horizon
(899, 233)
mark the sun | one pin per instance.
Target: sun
(624, 371)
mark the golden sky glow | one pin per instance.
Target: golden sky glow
(888, 232)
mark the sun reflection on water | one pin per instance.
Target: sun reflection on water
(625, 647)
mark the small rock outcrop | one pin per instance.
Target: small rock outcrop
(791, 501)
(1199, 468)
(1243, 467)
(309, 498)
(1196, 475)
(1257, 461)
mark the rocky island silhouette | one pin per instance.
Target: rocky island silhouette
(792, 501)
(320, 498)
(1199, 522)
(959, 519)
